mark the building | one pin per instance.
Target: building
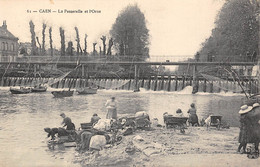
(8, 44)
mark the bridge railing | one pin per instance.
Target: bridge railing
(116, 58)
(57, 58)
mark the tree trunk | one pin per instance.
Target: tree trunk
(94, 48)
(50, 35)
(85, 42)
(103, 38)
(62, 36)
(33, 42)
(43, 39)
(39, 44)
(78, 40)
(110, 44)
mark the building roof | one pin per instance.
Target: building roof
(4, 33)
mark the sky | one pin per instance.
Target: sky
(176, 27)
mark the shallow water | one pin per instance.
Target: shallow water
(23, 117)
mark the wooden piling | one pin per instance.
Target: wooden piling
(183, 82)
(162, 83)
(35, 70)
(205, 85)
(176, 83)
(83, 71)
(190, 78)
(129, 86)
(155, 83)
(211, 87)
(149, 84)
(15, 80)
(257, 87)
(136, 87)
(142, 83)
(169, 84)
(195, 86)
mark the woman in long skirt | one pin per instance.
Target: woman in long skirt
(244, 128)
(111, 106)
(193, 118)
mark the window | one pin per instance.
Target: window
(12, 47)
(6, 46)
(3, 46)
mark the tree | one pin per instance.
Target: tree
(50, 36)
(33, 41)
(235, 33)
(110, 44)
(62, 41)
(103, 39)
(130, 34)
(100, 51)
(85, 44)
(70, 49)
(40, 47)
(94, 49)
(78, 41)
(43, 39)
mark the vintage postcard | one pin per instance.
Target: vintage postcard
(129, 83)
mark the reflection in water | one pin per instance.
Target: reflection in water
(23, 117)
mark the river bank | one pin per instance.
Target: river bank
(166, 147)
(30, 113)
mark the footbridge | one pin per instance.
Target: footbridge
(123, 60)
(175, 82)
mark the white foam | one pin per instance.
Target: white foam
(186, 91)
(222, 93)
(113, 90)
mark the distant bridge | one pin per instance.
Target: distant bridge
(170, 83)
(121, 60)
(135, 63)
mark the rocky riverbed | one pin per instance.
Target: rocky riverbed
(165, 147)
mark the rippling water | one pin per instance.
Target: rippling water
(23, 117)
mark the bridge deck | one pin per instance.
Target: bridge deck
(137, 63)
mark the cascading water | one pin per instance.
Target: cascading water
(123, 84)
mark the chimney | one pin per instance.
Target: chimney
(4, 24)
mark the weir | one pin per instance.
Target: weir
(82, 76)
(158, 83)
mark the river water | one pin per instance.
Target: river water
(23, 118)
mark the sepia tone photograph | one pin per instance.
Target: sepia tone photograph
(129, 83)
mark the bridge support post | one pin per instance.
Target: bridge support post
(35, 70)
(162, 81)
(155, 83)
(195, 84)
(87, 72)
(183, 82)
(136, 88)
(205, 85)
(169, 83)
(142, 85)
(257, 88)
(129, 85)
(149, 84)
(83, 71)
(211, 87)
(176, 83)
(40, 67)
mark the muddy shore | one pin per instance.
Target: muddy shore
(165, 147)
